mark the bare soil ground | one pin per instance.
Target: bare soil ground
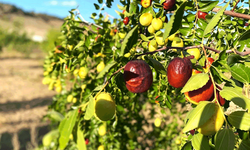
(23, 100)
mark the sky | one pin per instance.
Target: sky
(61, 8)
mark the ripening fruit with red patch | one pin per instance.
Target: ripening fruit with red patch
(126, 20)
(179, 71)
(138, 76)
(146, 3)
(221, 100)
(168, 4)
(202, 94)
(208, 64)
(86, 141)
(201, 15)
(194, 72)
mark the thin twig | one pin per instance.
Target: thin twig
(235, 5)
(109, 80)
(197, 46)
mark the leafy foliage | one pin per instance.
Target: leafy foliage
(132, 127)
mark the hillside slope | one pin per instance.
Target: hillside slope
(35, 25)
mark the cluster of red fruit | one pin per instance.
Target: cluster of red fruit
(138, 77)
(180, 70)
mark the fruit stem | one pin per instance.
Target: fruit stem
(217, 99)
(109, 80)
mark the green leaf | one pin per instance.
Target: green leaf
(241, 72)
(240, 119)
(133, 7)
(121, 7)
(195, 82)
(185, 31)
(244, 145)
(144, 38)
(106, 69)
(233, 58)
(90, 109)
(129, 41)
(66, 127)
(202, 24)
(231, 94)
(224, 139)
(244, 37)
(55, 115)
(80, 139)
(100, 1)
(96, 6)
(98, 88)
(158, 66)
(175, 21)
(81, 43)
(200, 142)
(187, 146)
(213, 22)
(200, 115)
(207, 6)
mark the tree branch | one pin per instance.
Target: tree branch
(234, 14)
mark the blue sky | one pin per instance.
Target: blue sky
(60, 8)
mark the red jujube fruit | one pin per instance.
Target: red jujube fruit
(138, 76)
(179, 71)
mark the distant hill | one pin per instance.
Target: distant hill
(34, 24)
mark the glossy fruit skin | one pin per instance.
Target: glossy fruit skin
(157, 23)
(138, 76)
(202, 94)
(104, 107)
(100, 67)
(86, 141)
(152, 47)
(159, 39)
(126, 20)
(208, 64)
(157, 122)
(101, 147)
(102, 130)
(201, 15)
(146, 19)
(151, 29)
(122, 35)
(179, 71)
(146, 3)
(214, 124)
(195, 52)
(171, 37)
(194, 72)
(221, 100)
(168, 4)
(176, 43)
(83, 72)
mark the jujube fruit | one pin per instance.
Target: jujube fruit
(126, 20)
(168, 4)
(146, 19)
(138, 76)
(201, 15)
(179, 71)
(221, 100)
(202, 94)
(146, 3)
(214, 124)
(104, 107)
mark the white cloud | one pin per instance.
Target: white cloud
(53, 2)
(63, 3)
(69, 3)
